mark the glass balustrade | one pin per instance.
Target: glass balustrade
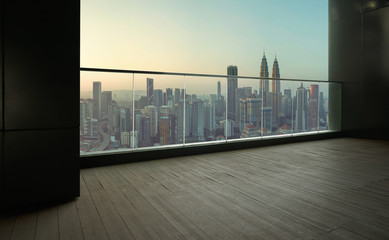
(132, 110)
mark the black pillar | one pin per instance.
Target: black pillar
(358, 57)
(39, 101)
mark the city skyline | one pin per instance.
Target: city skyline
(205, 37)
(154, 117)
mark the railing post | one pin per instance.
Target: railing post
(133, 112)
(184, 113)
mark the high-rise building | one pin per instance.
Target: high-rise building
(125, 139)
(90, 128)
(138, 121)
(232, 86)
(210, 120)
(164, 124)
(219, 90)
(267, 120)
(157, 98)
(176, 96)
(198, 117)
(165, 111)
(150, 90)
(301, 110)
(313, 107)
(276, 93)
(250, 112)
(152, 113)
(106, 100)
(167, 129)
(145, 132)
(321, 106)
(264, 73)
(114, 119)
(169, 97)
(97, 100)
(125, 120)
(183, 94)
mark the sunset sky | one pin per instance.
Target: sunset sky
(202, 36)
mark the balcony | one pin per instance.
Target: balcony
(326, 189)
(123, 111)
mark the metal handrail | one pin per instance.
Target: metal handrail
(196, 74)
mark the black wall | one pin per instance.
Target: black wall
(359, 57)
(39, 101)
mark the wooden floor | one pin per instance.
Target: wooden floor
(328, 189)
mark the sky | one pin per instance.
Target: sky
(202, 36)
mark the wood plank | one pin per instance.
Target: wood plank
(47, 224)
(330, 189)
(7, 224)
(69, 222)
(91, 223)
(24, 228)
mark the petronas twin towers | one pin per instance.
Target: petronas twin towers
(270, 99)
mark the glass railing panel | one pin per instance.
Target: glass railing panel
(247, 115)
(159, 103)
(334, 106)
(205, 107)
(278, 107)
(305, 106)
(105, 111)
(127, 110)
(323, 106)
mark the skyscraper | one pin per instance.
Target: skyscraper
(106, 100)
(125, 120)
(198, 117)
(232, 85)
(276, 93)
(169, 97)
(301, 109)
(165, 126)
(157, 98)
(264, 73)
(152, 113)
(219, 90)
(97, 100)
(313, 107)
(176, 96)
(210, 121)
(150, 91)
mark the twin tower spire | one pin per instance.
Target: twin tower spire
(264, 73)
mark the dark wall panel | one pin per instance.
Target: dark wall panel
(344, 9)
(376, 59)
(40, 159)
(42, 58)
(358, 57)
(40, 166)
(345, 65)
(369, 5)
(376, 72)
(1, 64)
